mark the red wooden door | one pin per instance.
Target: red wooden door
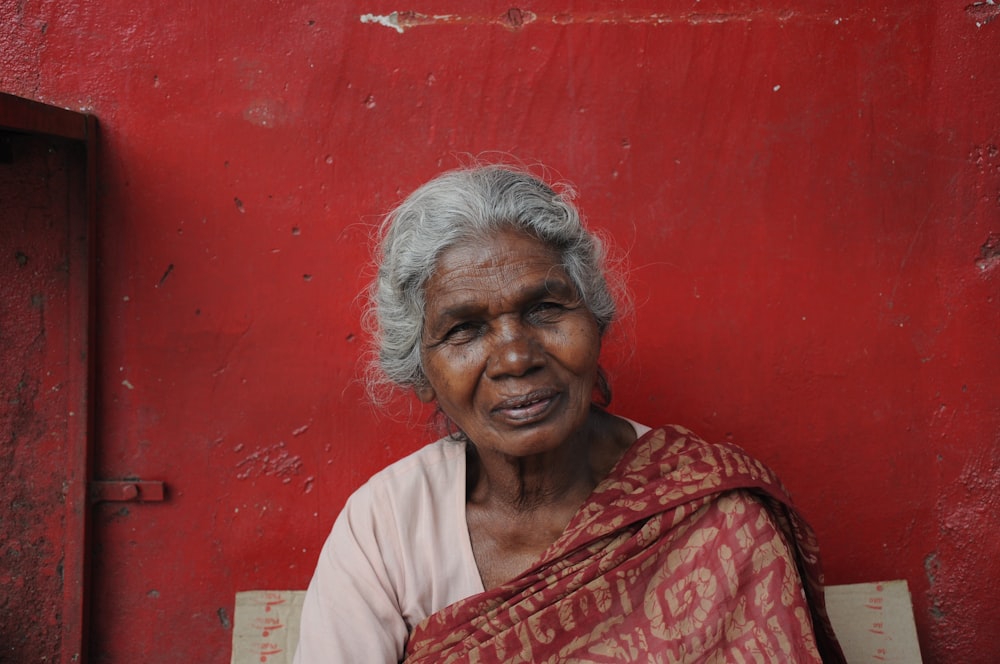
(46, 217)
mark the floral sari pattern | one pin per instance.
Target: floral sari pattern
(686, 552)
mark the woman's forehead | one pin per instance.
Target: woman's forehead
(508, 262)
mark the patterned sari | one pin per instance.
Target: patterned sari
(686, 552)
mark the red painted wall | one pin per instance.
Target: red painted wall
(809, 196)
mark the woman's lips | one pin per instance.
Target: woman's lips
(527, 407)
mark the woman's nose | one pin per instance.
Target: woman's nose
(514, 352)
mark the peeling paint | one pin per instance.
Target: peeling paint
(389, 20)
(932, 568)
(515, 19)
(271, 461)
(224, 619)
(983, 13)
(989, 253)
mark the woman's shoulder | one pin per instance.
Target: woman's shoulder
(424, 474)
(432, 457)
(678, 439)
(678, 453)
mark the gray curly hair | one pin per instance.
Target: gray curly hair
(467, 203)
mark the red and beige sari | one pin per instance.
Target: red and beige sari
(686, 552)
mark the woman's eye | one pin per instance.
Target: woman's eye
(546, 310)
(460, 332)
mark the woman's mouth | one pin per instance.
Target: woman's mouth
(527, 407)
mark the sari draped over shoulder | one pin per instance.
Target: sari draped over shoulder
(686, 552)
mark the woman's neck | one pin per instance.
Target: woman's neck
(517, 507)
(562, 477)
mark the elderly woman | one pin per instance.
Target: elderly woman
(543, 528)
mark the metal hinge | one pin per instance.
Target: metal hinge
(143, 491)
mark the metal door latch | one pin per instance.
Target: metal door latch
(142, 491)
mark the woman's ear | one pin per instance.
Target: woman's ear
(424, 392)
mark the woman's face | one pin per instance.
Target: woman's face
(508, 348)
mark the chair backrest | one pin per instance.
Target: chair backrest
(266, 626)
(874, 622)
